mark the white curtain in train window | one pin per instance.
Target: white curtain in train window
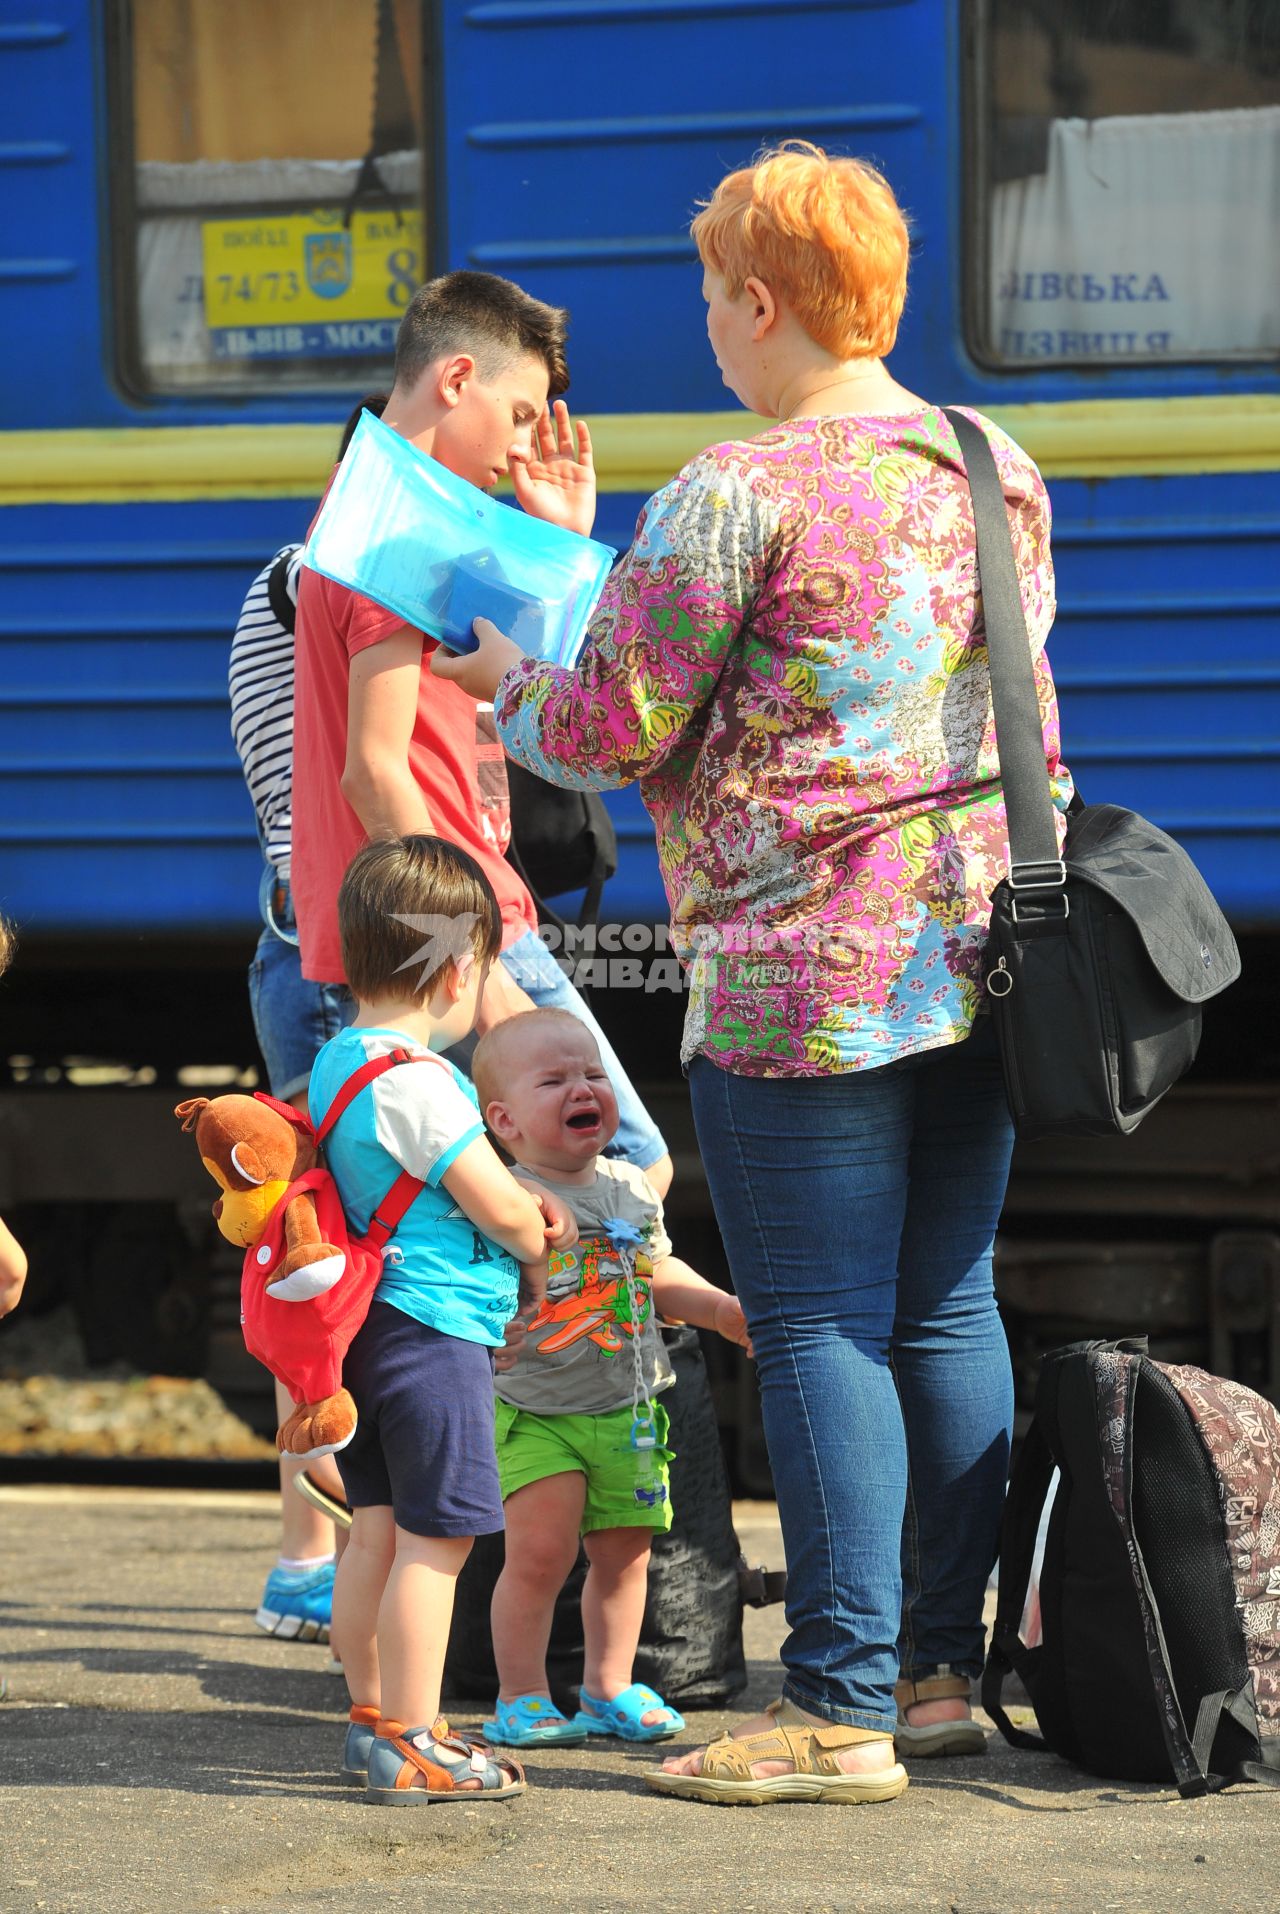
(1147, 236)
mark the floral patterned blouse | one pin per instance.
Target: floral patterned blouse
(791, 659)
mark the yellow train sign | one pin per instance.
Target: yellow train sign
(308, 285)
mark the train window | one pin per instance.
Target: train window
(1126, 160)
(267, 185)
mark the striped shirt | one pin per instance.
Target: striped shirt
(260, 679)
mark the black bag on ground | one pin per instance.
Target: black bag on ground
(1160, 1587)
(691, 1641)
(1098, 961)
(560, 840)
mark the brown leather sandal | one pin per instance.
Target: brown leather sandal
(963, 1737)
(813, 1752)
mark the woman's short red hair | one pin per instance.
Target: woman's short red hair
(825, 234)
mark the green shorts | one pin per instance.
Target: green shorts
(626, 1488)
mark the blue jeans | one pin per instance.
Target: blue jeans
(530, 964)
(293, 1018)
(859, 1214)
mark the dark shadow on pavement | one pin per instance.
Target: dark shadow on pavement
(246, 1683)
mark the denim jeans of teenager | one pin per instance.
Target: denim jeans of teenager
(293, 1017)
(859, 1214)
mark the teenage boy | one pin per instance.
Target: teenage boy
(382, 748)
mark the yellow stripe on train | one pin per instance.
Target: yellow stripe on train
(635, 452)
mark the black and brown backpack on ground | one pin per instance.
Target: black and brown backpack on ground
(1160, 1588)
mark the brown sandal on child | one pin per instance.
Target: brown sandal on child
(813, 1752)
(963, 1737)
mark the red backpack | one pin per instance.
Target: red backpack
(303, 1329)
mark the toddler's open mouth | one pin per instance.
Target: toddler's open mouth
(583, 1120)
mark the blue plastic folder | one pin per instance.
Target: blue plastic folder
(400, 529)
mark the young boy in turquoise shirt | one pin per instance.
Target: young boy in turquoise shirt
(420, 926)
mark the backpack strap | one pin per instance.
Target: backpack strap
(283, 608)
(1023, 1508)
(394, 1206)
(1238, 1704)
(359, 1080)
(1188, 1770)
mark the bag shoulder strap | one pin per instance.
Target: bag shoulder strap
(283, 609)
(595, 889)
(595, 882)
(391, 1211)
(1033, 836)
(1023, 1508)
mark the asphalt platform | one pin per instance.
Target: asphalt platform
(160, 1755)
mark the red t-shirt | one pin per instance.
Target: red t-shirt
(454, 755)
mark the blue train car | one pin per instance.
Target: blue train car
(215, 211)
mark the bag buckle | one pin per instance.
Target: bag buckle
(1048, 874)
(1039, 874)
(1041, 914)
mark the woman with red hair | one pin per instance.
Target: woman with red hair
(791, 659)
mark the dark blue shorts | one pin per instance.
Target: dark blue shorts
(424, 1443)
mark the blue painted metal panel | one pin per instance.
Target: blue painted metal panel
(120, 804)
(663, 98)
(50, 299)
(591, 209)
(1166, 653)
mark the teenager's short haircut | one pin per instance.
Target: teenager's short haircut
(501, 1048)
(825, 234)
(491, 318)
(446, 898)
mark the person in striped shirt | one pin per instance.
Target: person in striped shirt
(293, 1019)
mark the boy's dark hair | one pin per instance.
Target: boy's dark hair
(375, 402)
(443, 894)
(491, 318)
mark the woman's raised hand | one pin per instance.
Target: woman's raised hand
(556, 481)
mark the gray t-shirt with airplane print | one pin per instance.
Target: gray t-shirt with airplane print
(577, 1355)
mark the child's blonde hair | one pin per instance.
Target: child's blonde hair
(494, 1053)
(825, 234)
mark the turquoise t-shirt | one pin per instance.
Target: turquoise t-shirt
(438, 1267)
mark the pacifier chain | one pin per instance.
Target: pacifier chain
(625, 1239)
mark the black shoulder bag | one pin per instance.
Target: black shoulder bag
(1099, 959)
(560, 841)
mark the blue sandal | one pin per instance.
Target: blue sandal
(532, 1721)
(623, 1715)
(363, 1732)
(400, 1755)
